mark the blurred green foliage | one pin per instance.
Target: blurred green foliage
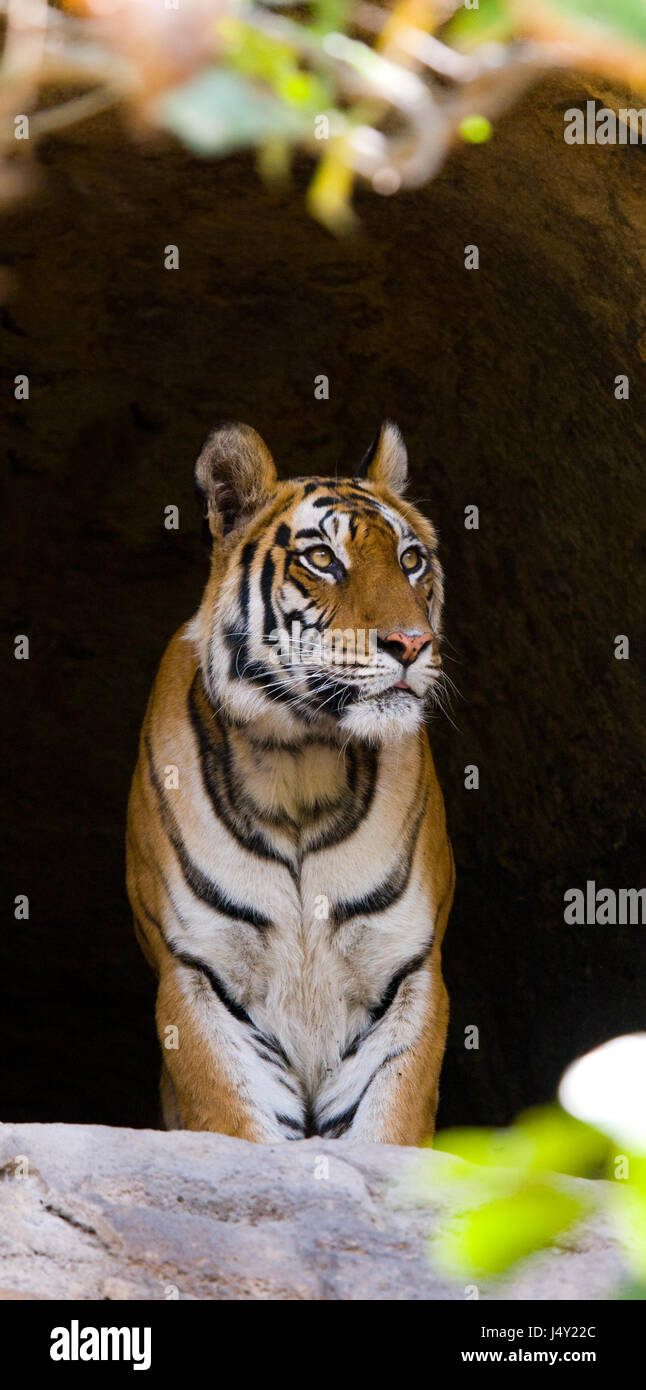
(622, 17)
(270, 87)
(542, 1139)
(508, 1228)
(515, 1198)
(370, 91)
(493, 21)
(475, 129)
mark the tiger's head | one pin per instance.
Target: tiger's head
(322, 610)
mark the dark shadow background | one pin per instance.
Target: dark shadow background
(502, 381)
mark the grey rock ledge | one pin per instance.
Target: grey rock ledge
(123, 1214)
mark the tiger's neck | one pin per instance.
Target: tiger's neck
(301, 797)
(293, 782)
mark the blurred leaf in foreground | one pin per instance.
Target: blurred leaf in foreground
(625, 17)
(329, 193)
(606, 36)
(219, 111)
(489, 1239)
(491, 22)
(543, 1139)
(475, 129)
(509, 1187)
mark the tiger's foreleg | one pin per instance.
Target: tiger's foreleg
(170, 1113)
(219, 1072)
(386, 1087)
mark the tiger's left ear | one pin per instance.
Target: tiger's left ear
(386, 461)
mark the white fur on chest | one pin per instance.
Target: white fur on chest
(307, 980)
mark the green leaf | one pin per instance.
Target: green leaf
(220, 111)
(624, 18)
(275, 64)
(475, 129)
(558, 1143)
(303, 89)
(488, 1240)
(544, 1139)
(491, 22)
(259, 55)
(329, 193)
(492, 1148)
(330, 16)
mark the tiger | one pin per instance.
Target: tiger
(288, 863)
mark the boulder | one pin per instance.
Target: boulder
(90, 1212)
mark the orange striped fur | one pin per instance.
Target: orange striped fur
(288, 864)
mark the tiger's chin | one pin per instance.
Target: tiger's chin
(384, 718)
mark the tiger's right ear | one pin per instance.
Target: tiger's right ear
(235, 475)
(386, 461)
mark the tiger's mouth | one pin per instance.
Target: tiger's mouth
(399, 694)
(385, 714)
(363, 693)
(382, 684)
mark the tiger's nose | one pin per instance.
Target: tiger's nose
(406, 646)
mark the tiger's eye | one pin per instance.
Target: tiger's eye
(411, 559)
(321, 556)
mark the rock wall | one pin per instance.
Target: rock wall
(503, 382)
